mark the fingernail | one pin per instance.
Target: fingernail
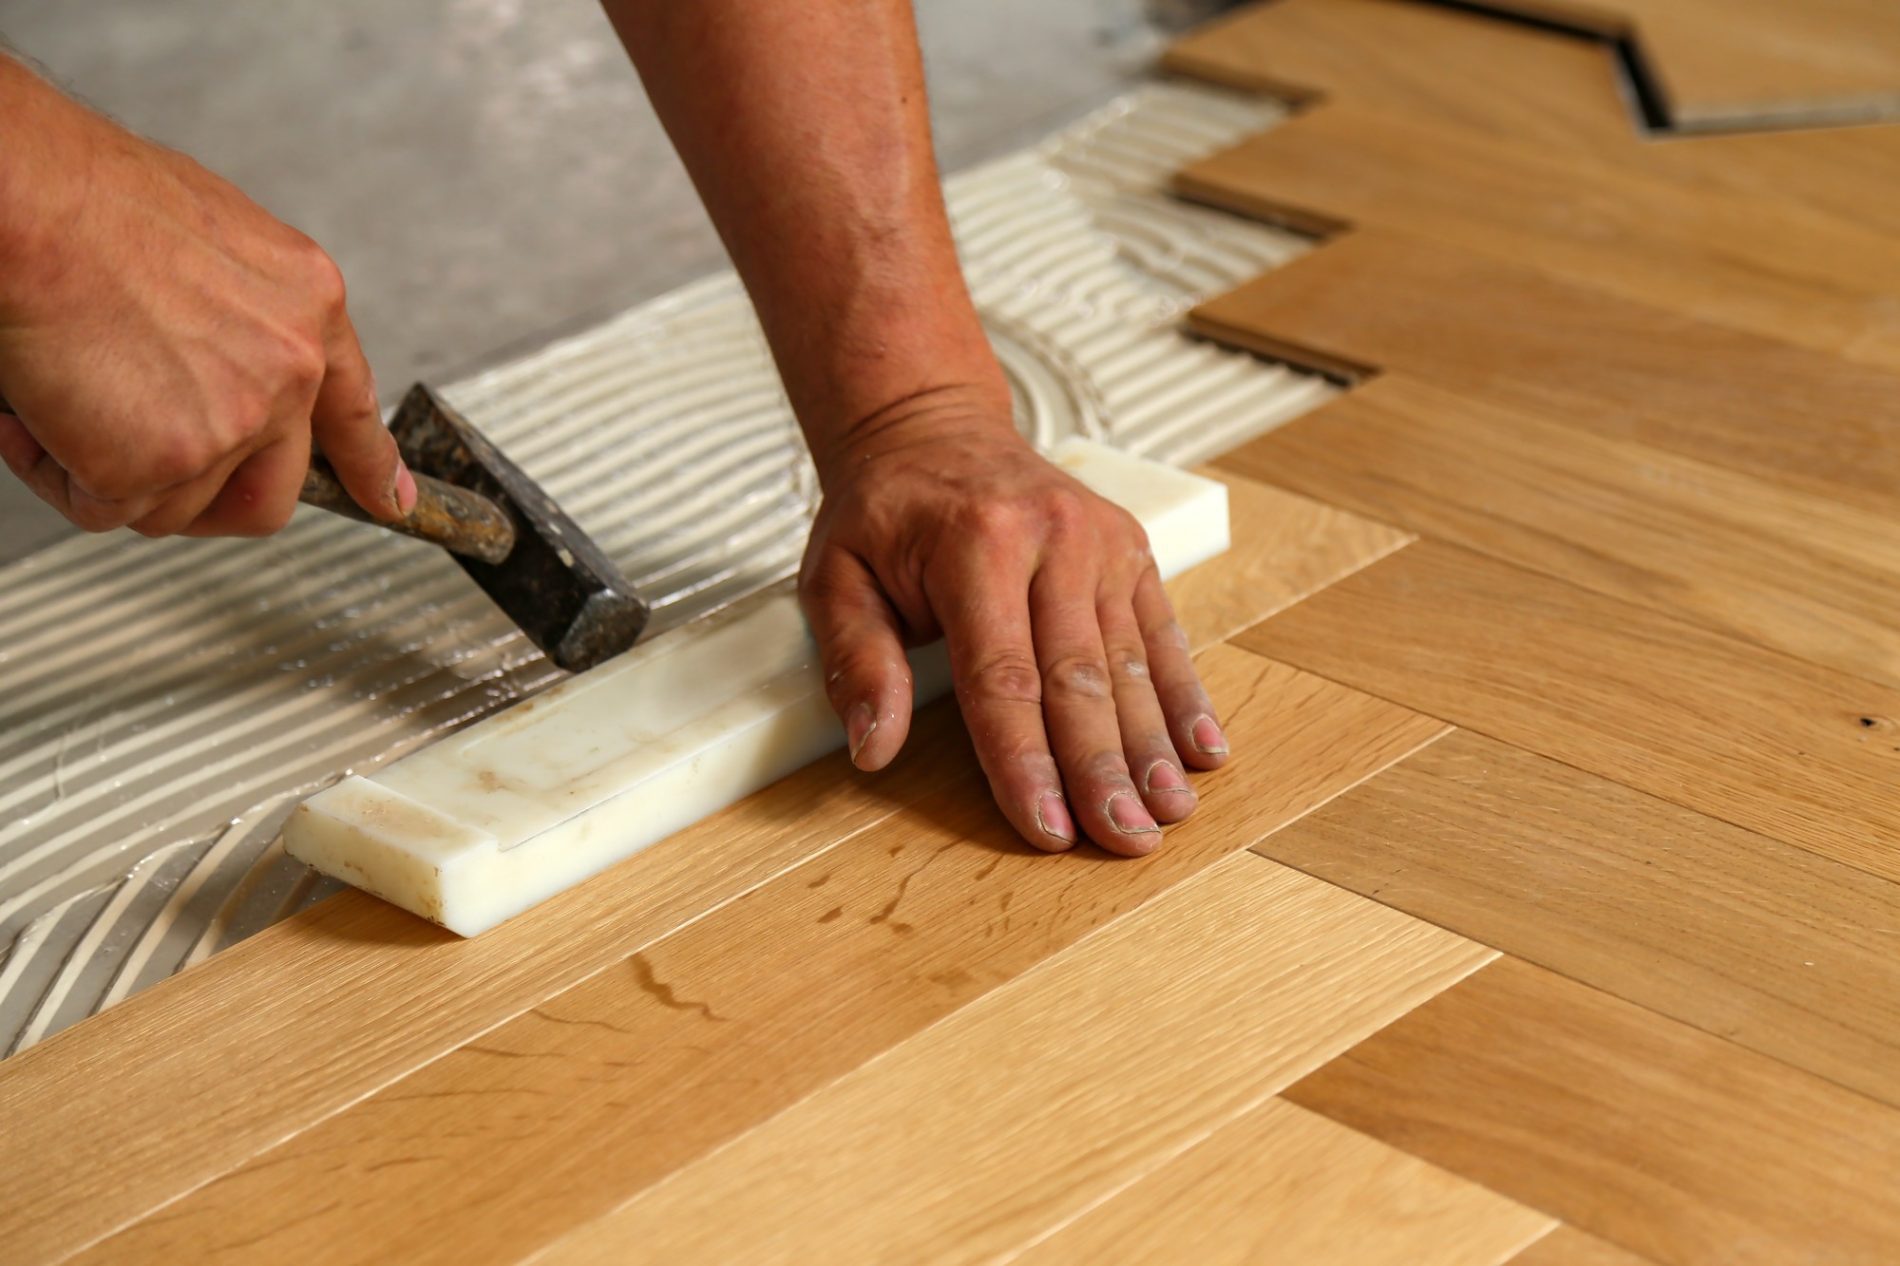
(1164, 777)
(405, 488)
(1208, 738)
(859, 725)
(1053, 817)
(1125, 811)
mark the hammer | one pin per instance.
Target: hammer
(507, 534)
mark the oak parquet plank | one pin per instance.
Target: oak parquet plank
(152, 1098)
(1041, 1100)
(1802, 573)
(1775, 268)
(1281, 1184)
(1648, 1133)
(1465, 72)
(653, 1062)
(1753, 737)
(1625, 370)
(1451, 68)
(1759, 942)
(1567, 1246)
(1733, 63)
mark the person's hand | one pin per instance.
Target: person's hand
(1073, 676)
(168, 349)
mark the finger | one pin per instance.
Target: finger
(260, 495)
(347, 425)
(861, 647)
(1144, 730)
(52, 484)
(983, 607)
(1078, 708)
(177, 509)
(1190, 713)
(18, 449)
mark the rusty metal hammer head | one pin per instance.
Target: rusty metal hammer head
(557, 585)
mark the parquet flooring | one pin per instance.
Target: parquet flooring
(1549, 913)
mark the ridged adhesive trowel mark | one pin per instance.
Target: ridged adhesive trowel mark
(531, 801)
(504, 531)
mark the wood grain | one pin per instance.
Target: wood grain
(1281, 1184)
(1450, 68)
(182, 1082)
(1772, 267)
(1738, 63)
(1625, 370)
(1567, 1246)
(1801, 573)
(1791, 750)
(735, 1017)
(1756, 941)
(1040, 1101)
(1647, 1133)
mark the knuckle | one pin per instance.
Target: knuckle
(1128, 664)
(1066, 510)
(1077, 676)
(324, 277)
(1009, 677)
(1168, 635)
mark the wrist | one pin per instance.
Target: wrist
(46, 156)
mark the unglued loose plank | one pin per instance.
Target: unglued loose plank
(1283, 1184)
(1742, 936)
(1648, 1133)
(1795, 751)
(182, 1082)
(1567, 1246)
(1774, 268)
(1622, 369)
(1805, 574)
(1041, 1100)
(738, 1015)
(1451, 68)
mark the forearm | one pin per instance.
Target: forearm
(804, 127)
(44, 155)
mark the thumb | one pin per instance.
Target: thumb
(347, 426)
(867, 677)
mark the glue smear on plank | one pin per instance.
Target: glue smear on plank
(164, 704)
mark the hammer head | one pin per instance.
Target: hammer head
(557, 585)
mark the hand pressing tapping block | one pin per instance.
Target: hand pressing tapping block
(486, 823)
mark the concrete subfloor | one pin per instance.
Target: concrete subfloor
(487, 172)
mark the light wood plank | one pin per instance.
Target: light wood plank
(1648, 1133)
(1802, 573)
(1740, 63)
(1625, 370)
(1042, 1100)
(1797, 752)
(1451, 68)
(654, 1062)
(1756, 941)
(1281, 1184)
(182, 1082)
(1775, 268)
(1567, 1246)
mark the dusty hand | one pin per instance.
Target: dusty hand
(1073, 677)
(169, 350)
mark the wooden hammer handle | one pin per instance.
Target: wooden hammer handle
(460, 521)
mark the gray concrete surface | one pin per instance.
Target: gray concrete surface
(487, 172)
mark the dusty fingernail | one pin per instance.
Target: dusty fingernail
(1208, 738)
(405, 488)
(1164, 777)
(1053, 817)
(1125, 811)
(859, 725)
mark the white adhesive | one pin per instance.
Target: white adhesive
(488, 822)
(154, 693)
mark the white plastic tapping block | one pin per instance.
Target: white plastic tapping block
(486, 823)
